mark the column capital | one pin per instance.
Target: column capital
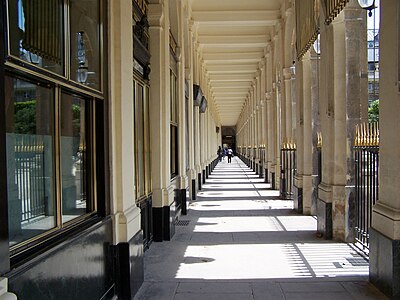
(155, 15)
(268, 95)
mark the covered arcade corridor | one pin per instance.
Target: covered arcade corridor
(113, 114)
(240, 240)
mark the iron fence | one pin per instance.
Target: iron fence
(366, 151)
(288, 170)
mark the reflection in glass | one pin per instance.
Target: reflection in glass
(85, 48)
(38, 41)
(29, 140)
(74, 161)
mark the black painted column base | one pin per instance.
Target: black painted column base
(298, 200)
(129, 269)
(260, 171)
(384, 264)
(324, 217)
(273, 181)
(207, 170)
(266, 175)
(193, 189)
(199, 182)
(204, 176)
(183, 199)
(256, 168)
(164, 222)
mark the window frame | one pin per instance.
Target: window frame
(97, 136)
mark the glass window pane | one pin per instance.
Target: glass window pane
(85, 42)
(139, 140)
(29, 142)
(36, 33)
(74, 158)
(147, 140)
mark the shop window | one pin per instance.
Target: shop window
(139, 131)
(30, 164)
(74, 157)
(37, 166)
(173, 125)
(142, 140)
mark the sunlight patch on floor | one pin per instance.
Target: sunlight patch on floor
(267, 261)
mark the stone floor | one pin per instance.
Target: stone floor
(241, 241)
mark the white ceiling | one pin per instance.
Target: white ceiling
(233, 35)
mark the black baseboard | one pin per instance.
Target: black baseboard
(164, 222)
(48, 275)
(129, 267)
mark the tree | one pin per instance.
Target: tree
(373, 112)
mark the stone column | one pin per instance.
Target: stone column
(316, 128)
(340, 112)
(385, 231)
(163, 192)
(189, 73)
(302, 77)
(127, 232)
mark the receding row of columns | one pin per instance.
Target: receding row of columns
(325, 95)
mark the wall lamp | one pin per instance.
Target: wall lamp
(368, 5)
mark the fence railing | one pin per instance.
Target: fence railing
(288, 170)
(366, 151)
(30, 177)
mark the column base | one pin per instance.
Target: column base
(207, 170)
(199, 181)
(266, 175)
(273, 185)
(164, 222)
(384, 264)
(183, 199)
(129, 267)
(298, 200)
(193, 189)
(204, 176)
(324, 217)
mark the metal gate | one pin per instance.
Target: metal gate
(366, 151)
(288, 170)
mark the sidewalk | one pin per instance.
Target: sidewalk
(240, 241)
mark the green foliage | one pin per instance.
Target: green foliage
(25, 117)
(373, 112)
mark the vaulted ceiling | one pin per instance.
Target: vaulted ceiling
(232, 35)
